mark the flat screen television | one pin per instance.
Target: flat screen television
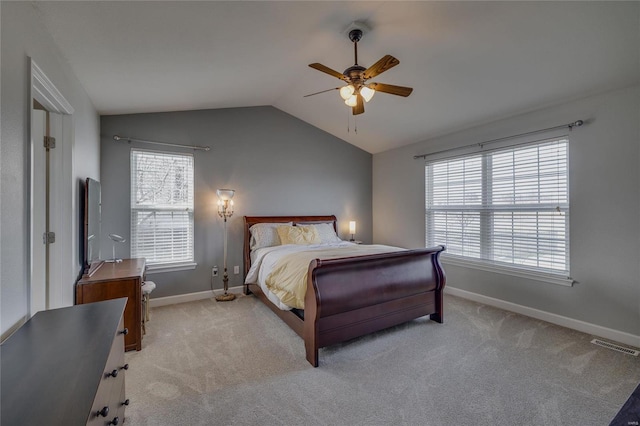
(92, 225)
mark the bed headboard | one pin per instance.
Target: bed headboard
(249, 221)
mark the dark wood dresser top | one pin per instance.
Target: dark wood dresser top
(52, 366)
(113, 271)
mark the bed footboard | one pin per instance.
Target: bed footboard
(351, 297)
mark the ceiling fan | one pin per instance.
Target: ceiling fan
(358, 91)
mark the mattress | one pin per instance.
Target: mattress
(269, 260)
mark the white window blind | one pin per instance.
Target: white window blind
(508, 207)
(162, 207)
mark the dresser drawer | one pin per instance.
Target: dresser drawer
(107, 404)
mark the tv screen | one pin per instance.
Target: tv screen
(92, 220)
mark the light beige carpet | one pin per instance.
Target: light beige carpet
(236, 363)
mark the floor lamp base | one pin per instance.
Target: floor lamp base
(225, 297)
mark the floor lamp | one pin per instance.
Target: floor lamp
(225, 210)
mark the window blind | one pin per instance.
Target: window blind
(507, 207)
(162, 206)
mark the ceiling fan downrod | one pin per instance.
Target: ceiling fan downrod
(355, 36)
(354, 72)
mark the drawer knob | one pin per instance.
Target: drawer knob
(125, 331)
(125, 367)
(114, 373)
(126, 402)
(115, 421)
(104, 412)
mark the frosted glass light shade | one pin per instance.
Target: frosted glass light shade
(225, 194)
(352, 101)
(367, 93)
(347, 91)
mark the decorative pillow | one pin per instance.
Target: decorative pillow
(325, 232)
(265, 235)
(302, 234)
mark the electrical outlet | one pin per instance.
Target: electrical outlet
(214, 271)
(236, 269)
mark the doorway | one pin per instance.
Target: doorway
(46, 130)
(52, 261)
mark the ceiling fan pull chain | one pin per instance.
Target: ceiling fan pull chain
(355, 125)
(348, 121)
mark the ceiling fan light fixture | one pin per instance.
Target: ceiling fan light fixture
(367, 93)
(347, 91)
(356, 90)
(352, 101)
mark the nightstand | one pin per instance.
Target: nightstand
(355, 241)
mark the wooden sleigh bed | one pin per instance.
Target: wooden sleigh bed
(354, 296)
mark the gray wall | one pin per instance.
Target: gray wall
(277, 164)
(605, 210)
(23, 35)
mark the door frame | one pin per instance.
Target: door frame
(47, 94)
(37, 284)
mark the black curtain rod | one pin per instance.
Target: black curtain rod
(570, 126)
(124, 138)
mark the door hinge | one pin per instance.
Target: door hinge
(48, 238)
(49, 142)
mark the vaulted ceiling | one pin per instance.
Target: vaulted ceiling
(468, 62)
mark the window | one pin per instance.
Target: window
(162, 207)
(506, 207)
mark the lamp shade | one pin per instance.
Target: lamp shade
(225, 194)
(352, 101)
(347, 91)
(352, 227)
(367, 93)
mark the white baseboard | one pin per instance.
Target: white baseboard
(585, 327)
(190, 297)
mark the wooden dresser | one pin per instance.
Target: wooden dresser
(66, 367)
(114, 280)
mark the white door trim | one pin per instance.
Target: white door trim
(47, 94)
(37, 281)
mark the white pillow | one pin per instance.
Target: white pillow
(325, 231)
(265, 235)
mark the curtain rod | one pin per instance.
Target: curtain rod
(570, 126)
(125, 138)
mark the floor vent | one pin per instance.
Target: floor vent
(615, 347)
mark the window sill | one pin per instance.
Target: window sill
(170, 267)
(522, 273)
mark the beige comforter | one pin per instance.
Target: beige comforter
(288, 279)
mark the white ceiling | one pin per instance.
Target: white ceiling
(468, 62)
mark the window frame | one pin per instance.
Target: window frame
(155, 266)
(486, 210)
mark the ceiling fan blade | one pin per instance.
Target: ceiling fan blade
(323, 91)
(391, 89)
(359, 108)
(329, 71)
(385, 63)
